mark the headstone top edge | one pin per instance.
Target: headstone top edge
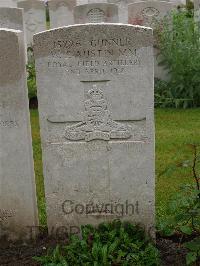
(33, 1)
(10, 30)
(97, 4)
(11, 8)
(28, 3)
(56, 1)
(150, 2)
(37, 35)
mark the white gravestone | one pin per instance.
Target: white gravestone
(83, 2)
(148, 13)
(35, 17)
(8, 3)
(151, 13)
(197, 13)
(175, 2)
(122, 9)
(178, 2)
(18, 206)
(11, 18)
(61, 12)
(96, 105)
(96, 13)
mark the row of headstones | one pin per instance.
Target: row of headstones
(140, 13)
(65, 12)
(95, 92)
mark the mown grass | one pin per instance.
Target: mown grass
(174, 130)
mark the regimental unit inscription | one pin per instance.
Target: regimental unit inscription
(97, 121)
(97, 56)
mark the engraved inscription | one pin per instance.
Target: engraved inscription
(96, 15)
(97, 122)
(7, 117)
(6, 214)
(95, 57)
(8, 123)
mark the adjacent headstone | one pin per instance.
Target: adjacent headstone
(61, 12)
(122, 9)
(178, 2)
(148, 13)
(83, 2)
(197, 13)
(8, 3)
(151, 13)
(18, 207)
(96, 105)
(35, 17)
(96, 13)
(11, 18)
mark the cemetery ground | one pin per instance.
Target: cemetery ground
(175, 129)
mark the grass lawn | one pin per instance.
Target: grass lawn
(174, 129)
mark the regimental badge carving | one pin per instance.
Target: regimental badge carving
(150, 12)
(97, 122)
(96, 15)
(150, 15)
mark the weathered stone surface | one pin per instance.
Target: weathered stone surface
(148, 13)
(122, 9)
(83, 2)
(178, 2)
(196, 4)
(96, 13)
(11, 18)
(61, 12)
(8, 3)
(197, 13)
(95, 90)
(35, 17)
(18, 208)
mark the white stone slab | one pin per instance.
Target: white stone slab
(148, 13)
(96, 105)
(61, 12)
(83, 2)
(122, 9)
(11, 18)
(96, 13)
(35, 17)
(18, 208)
(8, 3)
(197, 13)
(178, 2)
